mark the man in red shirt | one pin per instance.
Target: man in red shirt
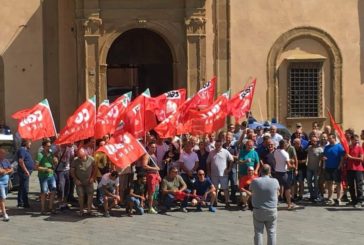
(244, 184)
(355, 171)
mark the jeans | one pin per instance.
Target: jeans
(265, 218)
(63, 184)
(355, 181)
(169, 200)
(312, 183)
(136, 204)
(233, 183)
(23, 189)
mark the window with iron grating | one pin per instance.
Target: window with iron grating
(304, 89)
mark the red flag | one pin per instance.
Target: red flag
(241, 102)
(80, 125)
(107, 121)
(137, 119)
(167, 103)
(210, 119)
(123, 150)
(203, 99)
(168, 127)
(103, 107)
(37, 122)
(340, 133)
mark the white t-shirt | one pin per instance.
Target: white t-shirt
(188, 160)
(219, 161)
(105, 180)
(276, 138)
(281, 157)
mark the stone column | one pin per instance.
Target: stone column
(196, 44)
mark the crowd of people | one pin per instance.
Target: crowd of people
(197, 171)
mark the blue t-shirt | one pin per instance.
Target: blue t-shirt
(202, 187)
(333, 153)
(4, 179)
(24, 154)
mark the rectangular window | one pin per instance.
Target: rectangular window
(304, 89)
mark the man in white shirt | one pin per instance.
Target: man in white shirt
(275, 137)
(219, 164)
(109, 190)
(188, 164)
(283, 162)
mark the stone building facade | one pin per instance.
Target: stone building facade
(306, 55)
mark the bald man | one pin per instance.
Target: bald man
(83, 171)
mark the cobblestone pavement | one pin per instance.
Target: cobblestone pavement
(306, 225)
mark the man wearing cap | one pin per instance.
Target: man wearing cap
(302, 135)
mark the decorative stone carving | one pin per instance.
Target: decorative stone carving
(196, 25)
(93, 25)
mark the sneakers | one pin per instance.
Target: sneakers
(184, 210)
(199, 209)
(107, 215)
(152, 211)
(6, 218)
(212, 209)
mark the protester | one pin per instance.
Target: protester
(83, 171)
(302, 167)
(203, 191)
(314, 165)
(188, 164)
(25, 169)
(244, 184)
(45, 164)
(219, 164)
(109, 190)
(137, 195)
(5, 171)
(173, 184)
(265, 191)
(171, 158)
(333, 157)
(149, 163)
(248, 157)
(202, 155)
(282, 164)
(355, 172)
(65, 154)
(275, 137)
(230, 145)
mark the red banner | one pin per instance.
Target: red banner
(167, 103)
(241, 102)
(107, 120)
(340, 133)
(80, 125)
(123, 150)
(37, 122)
(137, 120)
(210, 119)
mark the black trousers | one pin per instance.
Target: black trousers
(355, 182)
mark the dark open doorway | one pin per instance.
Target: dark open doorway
(139, 59)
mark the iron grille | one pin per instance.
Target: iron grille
(304, 89)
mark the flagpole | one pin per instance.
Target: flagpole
(260, 111)
(54, 125)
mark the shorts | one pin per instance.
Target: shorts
(282, 179)
(47, 184)
(3, 191)
(153, 180)
(102, 192)
(332, 174)
(85, 189)
(222, 180)
(291, 178)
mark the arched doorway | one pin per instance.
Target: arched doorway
(139, 59)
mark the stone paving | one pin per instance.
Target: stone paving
(306, 225)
